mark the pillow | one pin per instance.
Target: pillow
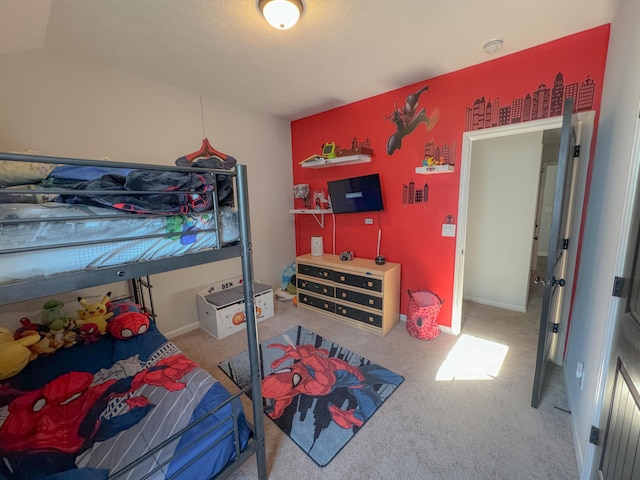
(19, 173)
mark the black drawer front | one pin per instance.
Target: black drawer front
(316, 302)
(360, 298)
(317, 272)
(355, 314)
(359, 281)
(315, 287)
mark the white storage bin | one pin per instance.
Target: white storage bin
(221, 309)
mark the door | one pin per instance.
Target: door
(621, 440)
(559, 235)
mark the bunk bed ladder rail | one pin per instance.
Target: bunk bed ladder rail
(252, 326)
(140, 289)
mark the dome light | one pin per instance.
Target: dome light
(281, 14)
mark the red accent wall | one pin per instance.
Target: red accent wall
(411, 232)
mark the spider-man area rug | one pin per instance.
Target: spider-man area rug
(319, 393)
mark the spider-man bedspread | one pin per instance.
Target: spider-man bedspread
(93, 409)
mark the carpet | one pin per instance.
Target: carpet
(317, 392)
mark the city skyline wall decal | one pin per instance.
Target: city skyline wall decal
(544, 102)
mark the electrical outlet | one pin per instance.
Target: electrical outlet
(448, 230)
(368, 221)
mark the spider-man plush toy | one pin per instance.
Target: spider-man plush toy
(128, 320)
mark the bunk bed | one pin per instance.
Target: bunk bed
(89, 409)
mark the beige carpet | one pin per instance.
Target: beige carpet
(428, 429)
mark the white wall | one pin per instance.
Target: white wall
(62, 107)
(592, 319)
(503, 193)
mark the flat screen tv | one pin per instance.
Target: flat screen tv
(357, 194)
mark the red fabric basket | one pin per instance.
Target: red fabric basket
(422, 319)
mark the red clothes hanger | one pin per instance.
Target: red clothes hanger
(206, 150)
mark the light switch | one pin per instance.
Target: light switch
(448, 230)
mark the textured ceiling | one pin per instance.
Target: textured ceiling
(341, 50)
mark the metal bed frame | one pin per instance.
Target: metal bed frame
(22, 290)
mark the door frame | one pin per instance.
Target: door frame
(468, 138)
(607, 362)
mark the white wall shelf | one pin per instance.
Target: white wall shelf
(314, 212)
(321, 162)
(428, 170)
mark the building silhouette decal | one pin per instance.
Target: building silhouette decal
(415, 194)
(544, 102)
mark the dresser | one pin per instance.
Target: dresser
(357, 292)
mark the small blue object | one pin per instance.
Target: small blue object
(85, 173)
(289, 272)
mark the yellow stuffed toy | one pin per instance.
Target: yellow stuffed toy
(94, 313)
(14, 354)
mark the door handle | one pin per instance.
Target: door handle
(539, 281)
(545, 283)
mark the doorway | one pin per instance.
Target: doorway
(470, 141)
(503, 197)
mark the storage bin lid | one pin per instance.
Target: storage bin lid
(234, 295)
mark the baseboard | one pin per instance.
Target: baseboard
(491, 303)
(179, 331)
(443, 329)
(447, 330)
(580, 455)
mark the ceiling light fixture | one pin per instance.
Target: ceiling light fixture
(492, 46)
(281, 14)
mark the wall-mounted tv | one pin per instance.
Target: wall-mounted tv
(357, 194)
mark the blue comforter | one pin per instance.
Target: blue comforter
(90, 410)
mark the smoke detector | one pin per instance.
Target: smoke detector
(492, 46)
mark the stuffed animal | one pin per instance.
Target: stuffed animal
(14, 354)
(28, 326)
(88, 333)
(43, 346)
(95, 313)
(129, 320)
(53, 315)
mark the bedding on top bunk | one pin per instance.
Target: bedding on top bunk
(131, 190)
(56, 232)
(93, 409)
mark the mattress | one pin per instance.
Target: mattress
(93, 409)
(108, 237)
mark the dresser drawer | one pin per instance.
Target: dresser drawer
(317, 272)
(359, 281)
(316, 302)
(360, 298)
(315, 287)
(360, 315)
